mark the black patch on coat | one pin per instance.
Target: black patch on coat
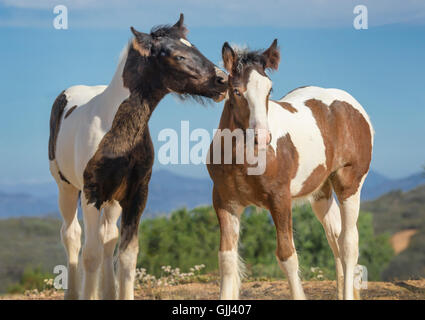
(69, 111)
(122, 166)
(124, 155)
(63, 177)
(55, 121)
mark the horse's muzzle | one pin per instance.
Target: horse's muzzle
(268, 138)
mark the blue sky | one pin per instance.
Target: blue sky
(382, 67)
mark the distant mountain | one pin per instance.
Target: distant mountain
(396, 212)
(167, 192)
(26, 205)
(376, 184)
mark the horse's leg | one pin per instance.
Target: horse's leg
(231, 267)
(347, 188)
(132, 209)
(327, 211)
(285, 253)
(110, 233)
(70, 234)
(92, 250)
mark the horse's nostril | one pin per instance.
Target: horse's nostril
(220, 80)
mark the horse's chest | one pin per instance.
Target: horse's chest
(234, 184)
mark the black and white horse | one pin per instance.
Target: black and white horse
(100, 147)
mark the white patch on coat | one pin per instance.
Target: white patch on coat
(187, 43)
(305, 135)
(303, 129)
(79, 136)
(257, 89)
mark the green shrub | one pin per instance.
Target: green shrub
(189, 238)
(31, 278)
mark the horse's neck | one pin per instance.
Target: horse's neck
(114, 94)
(111, 99)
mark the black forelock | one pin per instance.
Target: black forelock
(167, 31)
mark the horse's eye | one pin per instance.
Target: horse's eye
(236, 91)
(180, 58)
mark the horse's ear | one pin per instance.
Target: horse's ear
(180, 25)
(229, 57)
(272, 56)
(142, 42)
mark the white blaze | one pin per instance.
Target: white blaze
(186, 42)
(257, 89)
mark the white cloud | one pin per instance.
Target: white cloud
(278, 13)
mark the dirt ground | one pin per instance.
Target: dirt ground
(265, 290)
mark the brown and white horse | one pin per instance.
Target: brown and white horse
(100, 144)
(318, 141)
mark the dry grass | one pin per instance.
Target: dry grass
(264, 290)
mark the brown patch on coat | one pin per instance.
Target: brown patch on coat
(70, 111)
(286, 106)
(326, 122)
(55, 122)
(348, 144)
(315, 179)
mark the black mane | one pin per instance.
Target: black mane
(168, 31)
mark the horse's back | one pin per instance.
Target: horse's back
(327, 96)
(80, 94)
